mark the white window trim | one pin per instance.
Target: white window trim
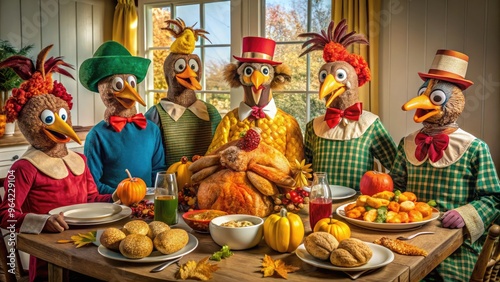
(246, 20)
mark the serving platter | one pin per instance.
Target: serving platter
(381, 257)
(385, 226)
(155, 256)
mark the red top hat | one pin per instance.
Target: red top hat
(451, 66)
(258, 50)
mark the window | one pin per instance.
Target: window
(212, 16)
(283, 21)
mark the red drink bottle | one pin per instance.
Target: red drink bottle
(320, 204)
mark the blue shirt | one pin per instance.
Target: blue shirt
(109, 153)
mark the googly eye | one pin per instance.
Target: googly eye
(47, 117)
(248, 71)
(421, 90)
(340, 75)
(322, 75)
(264, 70)
(118, 84)
(131, 81)
(63, 114)
(193, 64)
(180, 65)
(438, 97)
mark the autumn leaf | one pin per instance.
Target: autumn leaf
(270, 267)
(81, 240)
(201, 270)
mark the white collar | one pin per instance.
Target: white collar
(346, 129)
(244, 111)
(460, 141)
(176, 111)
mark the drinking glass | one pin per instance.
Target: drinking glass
(320, 201)
(166, 198)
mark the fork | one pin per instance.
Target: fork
(414, 235)
(164, 265)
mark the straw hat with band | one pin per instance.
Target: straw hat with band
(111, 58)
(451, 66)
(258, 50)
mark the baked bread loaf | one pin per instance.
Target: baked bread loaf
(320, 244)
(136, 227)
(171, 241)
(351, 252)
(111, 238)
(157, 227)
(136, 246)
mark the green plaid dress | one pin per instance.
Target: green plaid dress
(470, 180)
(345, 161)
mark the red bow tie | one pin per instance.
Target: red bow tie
(431, 145)
(118, 123)
(333, 116)
(257, 113)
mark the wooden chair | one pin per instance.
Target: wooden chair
(487, 268)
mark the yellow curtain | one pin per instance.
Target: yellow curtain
(363, 16)
(125, 25)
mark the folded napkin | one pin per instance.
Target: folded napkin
(356, 274)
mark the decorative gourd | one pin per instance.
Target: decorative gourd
(183, 174)
(131, 190)
(339, 229)
(284, 231)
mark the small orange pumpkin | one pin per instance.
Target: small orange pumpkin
(339, 229)
(373, 182)
(131, 190)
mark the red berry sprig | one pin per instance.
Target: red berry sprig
(293, 200)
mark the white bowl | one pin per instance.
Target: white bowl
(150, 194)
(237, 238)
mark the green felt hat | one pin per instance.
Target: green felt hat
(111, 58)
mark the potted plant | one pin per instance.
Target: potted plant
(8, 78)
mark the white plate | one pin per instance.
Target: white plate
(381, 256)
(126, 211)
(155, 255)
(385, 226)
(87, 211)
(341, 192)
(338, 192)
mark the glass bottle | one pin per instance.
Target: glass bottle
(320, 203)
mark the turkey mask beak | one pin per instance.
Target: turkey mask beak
(128, 96)
(60, 131)
(424, 108)
(257, 79)
(331, 87)
(189, 79)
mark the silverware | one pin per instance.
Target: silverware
(164, 265)
(414, 235)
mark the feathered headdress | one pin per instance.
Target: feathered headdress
(185, 36)
(38, 80)
(334, 43)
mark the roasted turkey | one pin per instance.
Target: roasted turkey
(242, 176)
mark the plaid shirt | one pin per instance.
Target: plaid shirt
(470, 180)
(345, 161)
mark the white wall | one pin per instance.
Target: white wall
(412, 31)
(75, 27)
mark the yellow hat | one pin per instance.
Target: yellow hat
(185, 36)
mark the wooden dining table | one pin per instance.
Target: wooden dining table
(244, 265)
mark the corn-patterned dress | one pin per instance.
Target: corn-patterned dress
(347, 151)
(464, 179)
(282, 132)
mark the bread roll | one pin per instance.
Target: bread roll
(111, 238)
(136, 227)
(320, 244)
(170, 241)
(156, 228)
(350, 253)
(136, 246)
